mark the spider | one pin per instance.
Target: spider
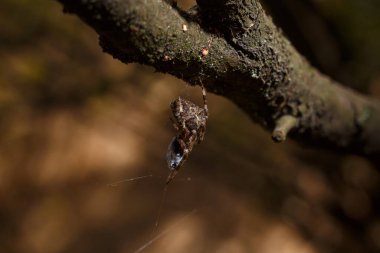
(190, 122)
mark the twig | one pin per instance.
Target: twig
(283, 126)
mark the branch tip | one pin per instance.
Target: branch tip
(283, 126)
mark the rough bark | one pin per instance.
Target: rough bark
(234, 49)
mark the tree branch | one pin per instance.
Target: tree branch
(234, 49)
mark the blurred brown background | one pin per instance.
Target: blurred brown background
(73, 121)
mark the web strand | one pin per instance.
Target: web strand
(143, 247)
(163, 198)
(114, 184)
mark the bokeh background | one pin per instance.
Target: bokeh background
(73, 121)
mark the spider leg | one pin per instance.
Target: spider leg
(183, 146)
(180, 105)
(201, 134)
(192, 140)
(172, 175)
(174, 124)
(184, 133)
(204, 99)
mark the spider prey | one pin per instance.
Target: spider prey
(190, 122)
